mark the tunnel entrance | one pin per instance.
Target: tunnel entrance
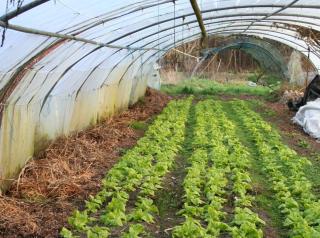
(238, 58)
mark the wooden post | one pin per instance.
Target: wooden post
(197, 12)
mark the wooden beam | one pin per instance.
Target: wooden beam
(197, 12)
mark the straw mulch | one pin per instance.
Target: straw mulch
(51, 186)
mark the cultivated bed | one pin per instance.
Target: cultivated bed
(227, 172)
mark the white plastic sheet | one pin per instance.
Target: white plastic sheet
(308, 117)
(74, 84)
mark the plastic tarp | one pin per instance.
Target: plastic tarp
(52, 86)
(308, 117)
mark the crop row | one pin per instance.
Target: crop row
(140, 170)
(245, 222)
(204, 195)
(284, 169)
(218, 159)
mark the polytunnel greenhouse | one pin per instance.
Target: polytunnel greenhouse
(160, 118)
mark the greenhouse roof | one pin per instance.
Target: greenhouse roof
(66, 63)
(150, 26)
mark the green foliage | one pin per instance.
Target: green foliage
(79, 220)
(266, 80)
(115, 211)
(94, 203)
(246, 224)
(284, 169)
(134, 231)
(144, 209)
(303, 144)
(190, 228)
(142, 167)
(139, 125)
(207, 178)
(197, 86)
(187, 90)
(65, 233)
(218, 168)
(98, 232)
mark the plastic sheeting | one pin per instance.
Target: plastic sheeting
(308, 117)
(268, 56)
(50, 86)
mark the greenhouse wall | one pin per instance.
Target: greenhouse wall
(25, 129)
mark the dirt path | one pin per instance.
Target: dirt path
(169, 200)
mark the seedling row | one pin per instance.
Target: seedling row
(218, 194)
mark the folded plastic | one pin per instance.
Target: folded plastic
(308, 117)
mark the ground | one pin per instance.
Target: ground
(60, 178)
(63, 176)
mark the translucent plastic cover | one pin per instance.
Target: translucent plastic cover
(52, 85)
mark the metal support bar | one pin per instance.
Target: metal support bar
(197, 12)
(68, 37)
(272, 14)
(22, 9)
(80, 39)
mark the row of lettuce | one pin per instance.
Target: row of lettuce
(139, 171)
(217, 187)
(218, 172)
(284, 169)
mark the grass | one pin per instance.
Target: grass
(209, 87)
(270, 80)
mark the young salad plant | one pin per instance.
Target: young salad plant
(218, 155)
(284, 169)
(245, 222)
(143, 166)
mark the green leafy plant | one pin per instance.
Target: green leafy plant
(142, 167)
(208, 173)
(67, 234)
(134, 231)
(303, 144)
(190, 228)
(138, 125)
(284, 169)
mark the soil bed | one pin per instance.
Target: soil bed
(62, 176)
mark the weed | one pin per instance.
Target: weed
(122, 151)
(303, 144)
(139, 125)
